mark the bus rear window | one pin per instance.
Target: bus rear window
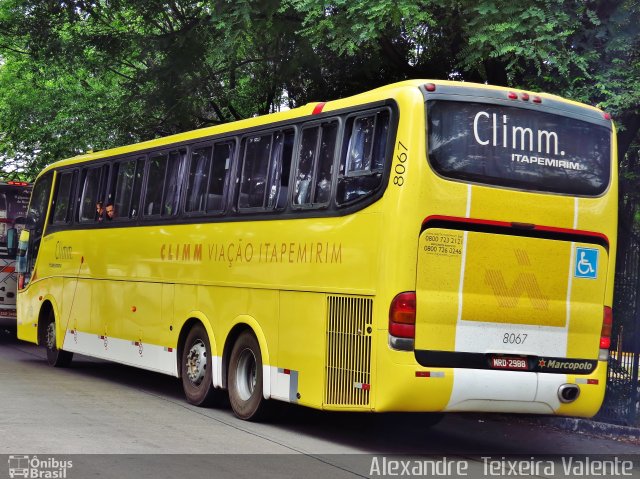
(518, 148)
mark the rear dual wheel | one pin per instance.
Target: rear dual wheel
(245, 378)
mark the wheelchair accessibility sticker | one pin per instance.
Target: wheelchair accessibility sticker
(586, 263)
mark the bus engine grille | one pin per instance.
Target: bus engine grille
(348, 361)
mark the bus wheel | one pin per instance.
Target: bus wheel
(55, 357)
(196, 370)
(245, 378)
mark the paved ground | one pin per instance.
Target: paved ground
(102, 408)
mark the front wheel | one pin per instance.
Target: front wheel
(55, 357)
(245, 378)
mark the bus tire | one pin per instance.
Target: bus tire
(55, 357)
(245, 378)
(196, 369)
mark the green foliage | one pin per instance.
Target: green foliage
(78, 75)
(90, 75)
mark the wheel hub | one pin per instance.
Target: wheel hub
(197, 362)
(246, 376)
(51, 336)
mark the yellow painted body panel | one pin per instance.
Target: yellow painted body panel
(507, 280)
(278, 277)
(302, 342)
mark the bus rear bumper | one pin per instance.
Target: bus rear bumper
(411, 387)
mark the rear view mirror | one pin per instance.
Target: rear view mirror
(12, 242)
(22, 263)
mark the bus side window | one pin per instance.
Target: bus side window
(155, 184)
(37, 214)
(286, 161)
(134, 206)
(279, 169)
(304, 174)
(173, 182)
(266, 161)
(199, 173)
(315, 165)
(363, 157)
(220, 168)
(62, 202)
(124, 193)
(209, 177)
(255, 164)
(92, 190)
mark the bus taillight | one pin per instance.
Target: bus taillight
(402, 321)
(605, 333)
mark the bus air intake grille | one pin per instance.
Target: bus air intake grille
(348, 362)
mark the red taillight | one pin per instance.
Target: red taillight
(537, 99)
(607, 116)
(402, 315)
(430, 87)
(17, 183)
(607, 324)
(524, 96)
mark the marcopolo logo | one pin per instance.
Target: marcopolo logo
(38, 468)
(566, 365)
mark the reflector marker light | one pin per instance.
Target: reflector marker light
(169, 350)
(363, 386)
(605, 332)
(429, 374)
(524, 96)
(586, 381)
(607, 116)
(318, 108)
(17, 183)
(430, 87)
(512, 96)
(537, 99)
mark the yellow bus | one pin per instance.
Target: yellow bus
(424, 246)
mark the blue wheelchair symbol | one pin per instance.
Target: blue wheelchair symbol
(586, 263)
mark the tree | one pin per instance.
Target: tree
(83, 75)
(586, 51)
(80, 75)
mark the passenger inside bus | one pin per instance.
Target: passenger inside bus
(111, 212)
(99, 211)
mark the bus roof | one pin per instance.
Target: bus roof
(305, 110)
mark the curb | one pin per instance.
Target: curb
(587, 426)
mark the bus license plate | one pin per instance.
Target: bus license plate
(505, 362)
